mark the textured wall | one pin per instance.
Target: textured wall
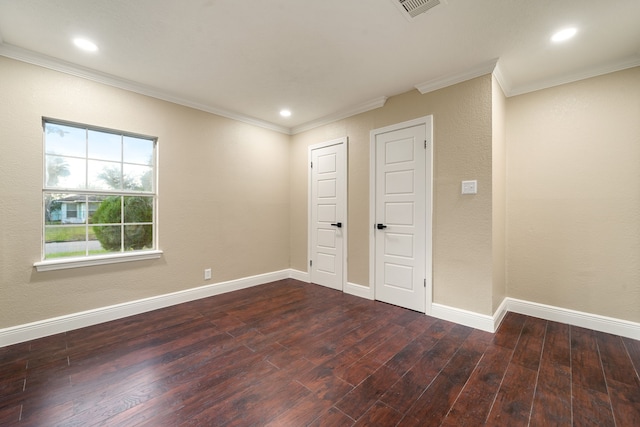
(223, 196)
(574, 195)
(462, 236)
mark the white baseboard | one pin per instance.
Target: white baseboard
(350, 288)
(487, 323)
(596, 322)
(463, 317)
(39, 329)
(56, 325)
(499, 314)
(303, 276)
(358, 290)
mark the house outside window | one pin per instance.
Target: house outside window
(99, 192)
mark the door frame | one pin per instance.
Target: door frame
(344, 141)
(428, 122)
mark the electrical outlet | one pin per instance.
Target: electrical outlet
(207, 274)
(470, 187)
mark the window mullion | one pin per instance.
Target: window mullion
(122, 224)
(86, 224)
(86, 159)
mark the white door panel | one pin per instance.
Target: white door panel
(398, 276)
(399, 213)
(399, 245)
(327, 189)
(328, 214)
(326, 238)
(402, 187)
(399, 182)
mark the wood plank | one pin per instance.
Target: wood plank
(290, 353)
(379, 415)
(616, 363)
(512, 406)
(591, 408)
(529, 348)
(625, 402)
(402, 395)
(360, 399)
(332, 418)
(586, 365)
(325, 384)
(303, 412)
(552, 400)
(436, 402)
(474, 402)
(633, 349)
(407, 357)
(509, 331)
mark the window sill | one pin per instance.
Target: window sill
(63, 264)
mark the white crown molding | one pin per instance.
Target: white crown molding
(502, 79)
(342, 114)
(442, 82)
(630, 62)
(54, 64)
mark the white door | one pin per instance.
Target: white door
(402, 222)
(328, 214)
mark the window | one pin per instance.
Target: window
(99, 194)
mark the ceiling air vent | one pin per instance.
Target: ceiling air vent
(412, 8)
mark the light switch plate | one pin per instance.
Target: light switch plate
(470, 187)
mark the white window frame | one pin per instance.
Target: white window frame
(111, 258)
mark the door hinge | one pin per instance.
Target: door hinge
(311, 165)
(425, 283)
(310, 263)
(425, 144)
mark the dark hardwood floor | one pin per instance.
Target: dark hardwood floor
(293, 354)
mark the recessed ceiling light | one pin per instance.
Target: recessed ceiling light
(564, 35)
(285, 113)
(85, 44)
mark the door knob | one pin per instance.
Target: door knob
(381, 226)
(337, 224)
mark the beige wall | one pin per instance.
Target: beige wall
(462, 229)
(559, 167)
(499, 207)
(223, 196)
(574, 195)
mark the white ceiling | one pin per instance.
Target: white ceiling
(322, 59)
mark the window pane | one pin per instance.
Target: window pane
(138, 178)
(138, 209)
(105, 146)
(106, 209)
(104, 175)
(65, 209)
(109, 237)
(137, 237)
(65, 140)
(65, 172)
(137, 150)
(64, 241)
